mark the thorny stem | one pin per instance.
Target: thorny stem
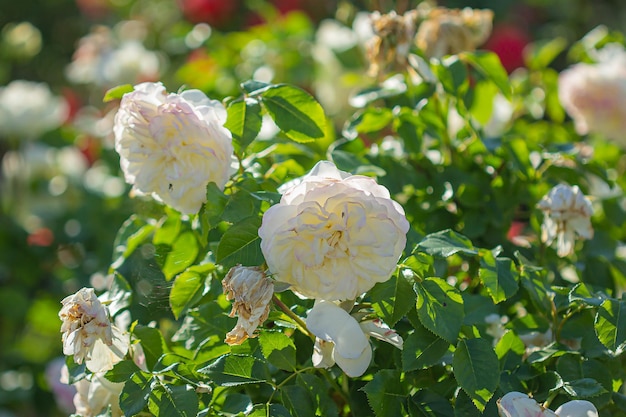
(301, 324)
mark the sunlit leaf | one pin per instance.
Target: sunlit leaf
(475, 366)
(440, 308)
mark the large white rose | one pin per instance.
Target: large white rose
(29, 109)
(173, 145)
(594, 95)
(333, 235)
(567, 215)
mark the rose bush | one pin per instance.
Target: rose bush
(413, 251)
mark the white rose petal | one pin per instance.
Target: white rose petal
(333, 325)
(96, 393)
(333, 235)
(172, 145)
(577, 408)
(515, 404)
(567, 214)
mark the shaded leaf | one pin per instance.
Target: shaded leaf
(446, 243)
(241, 244)
(244, 120)
(440, 308)
(176, 401)
(386, 394)
(189, 287)
(134, 395)
(233, 370)
(392, 299)
(475, 367)
(499, 276)
(610, 325)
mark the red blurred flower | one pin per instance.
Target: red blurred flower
(40, 237)
(217, 13)
(508, 42)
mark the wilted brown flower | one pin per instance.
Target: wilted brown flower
(251, 291)
(446, 31)
(392, 40)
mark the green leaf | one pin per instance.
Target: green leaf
(211, 211)
(386, 394)
(152, 343)
(488, 65)
(271, 410)
(499, 275)
(475, 367)
(539, 54)
(446, 243)
(278, 349)
(241, 244)
(134, 395)
(183, 253)
(440, 308)
(426, 403)
(295, 112)
(175, 401)
(76, 371)
(510, 350)
(207, 323)
(122, 371)
(452, 74)
(234, 370)
(582, 293)
(421, 263)
(244, 120)
(319, 392)
(116, 93)
(610, 325)
(254, 87)
(133, 233)
(168, 229)
(533, 281)
(189, 287)
(392, 299)
(422, 349)
(297, 400)
(584, 388)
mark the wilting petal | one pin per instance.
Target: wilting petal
(516, 404)
(379, 330)
(577, 408)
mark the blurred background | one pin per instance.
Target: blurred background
(62, 197)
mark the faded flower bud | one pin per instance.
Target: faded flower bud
(88, 334)
(251, 291)
(446, 31)
(567, 215)
(392, 40)
(96, 393)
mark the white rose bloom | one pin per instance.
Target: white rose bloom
(341, 339)
(29, 109)
(567, 213)
(88, 334)
(173, 145)
(94, 395)
(594, 95)
(333, 235)
(516, 404)
(252, 293)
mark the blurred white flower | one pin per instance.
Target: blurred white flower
(108, 57)
(21, 40)
(251, 291)
(567, 214)
(594, 95)
(95, 393)
(88, 334)
(516, 404)
(341, 339)
(172, 145)
(333, 235)
(29, 109)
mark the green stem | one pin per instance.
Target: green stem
(301, 324)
